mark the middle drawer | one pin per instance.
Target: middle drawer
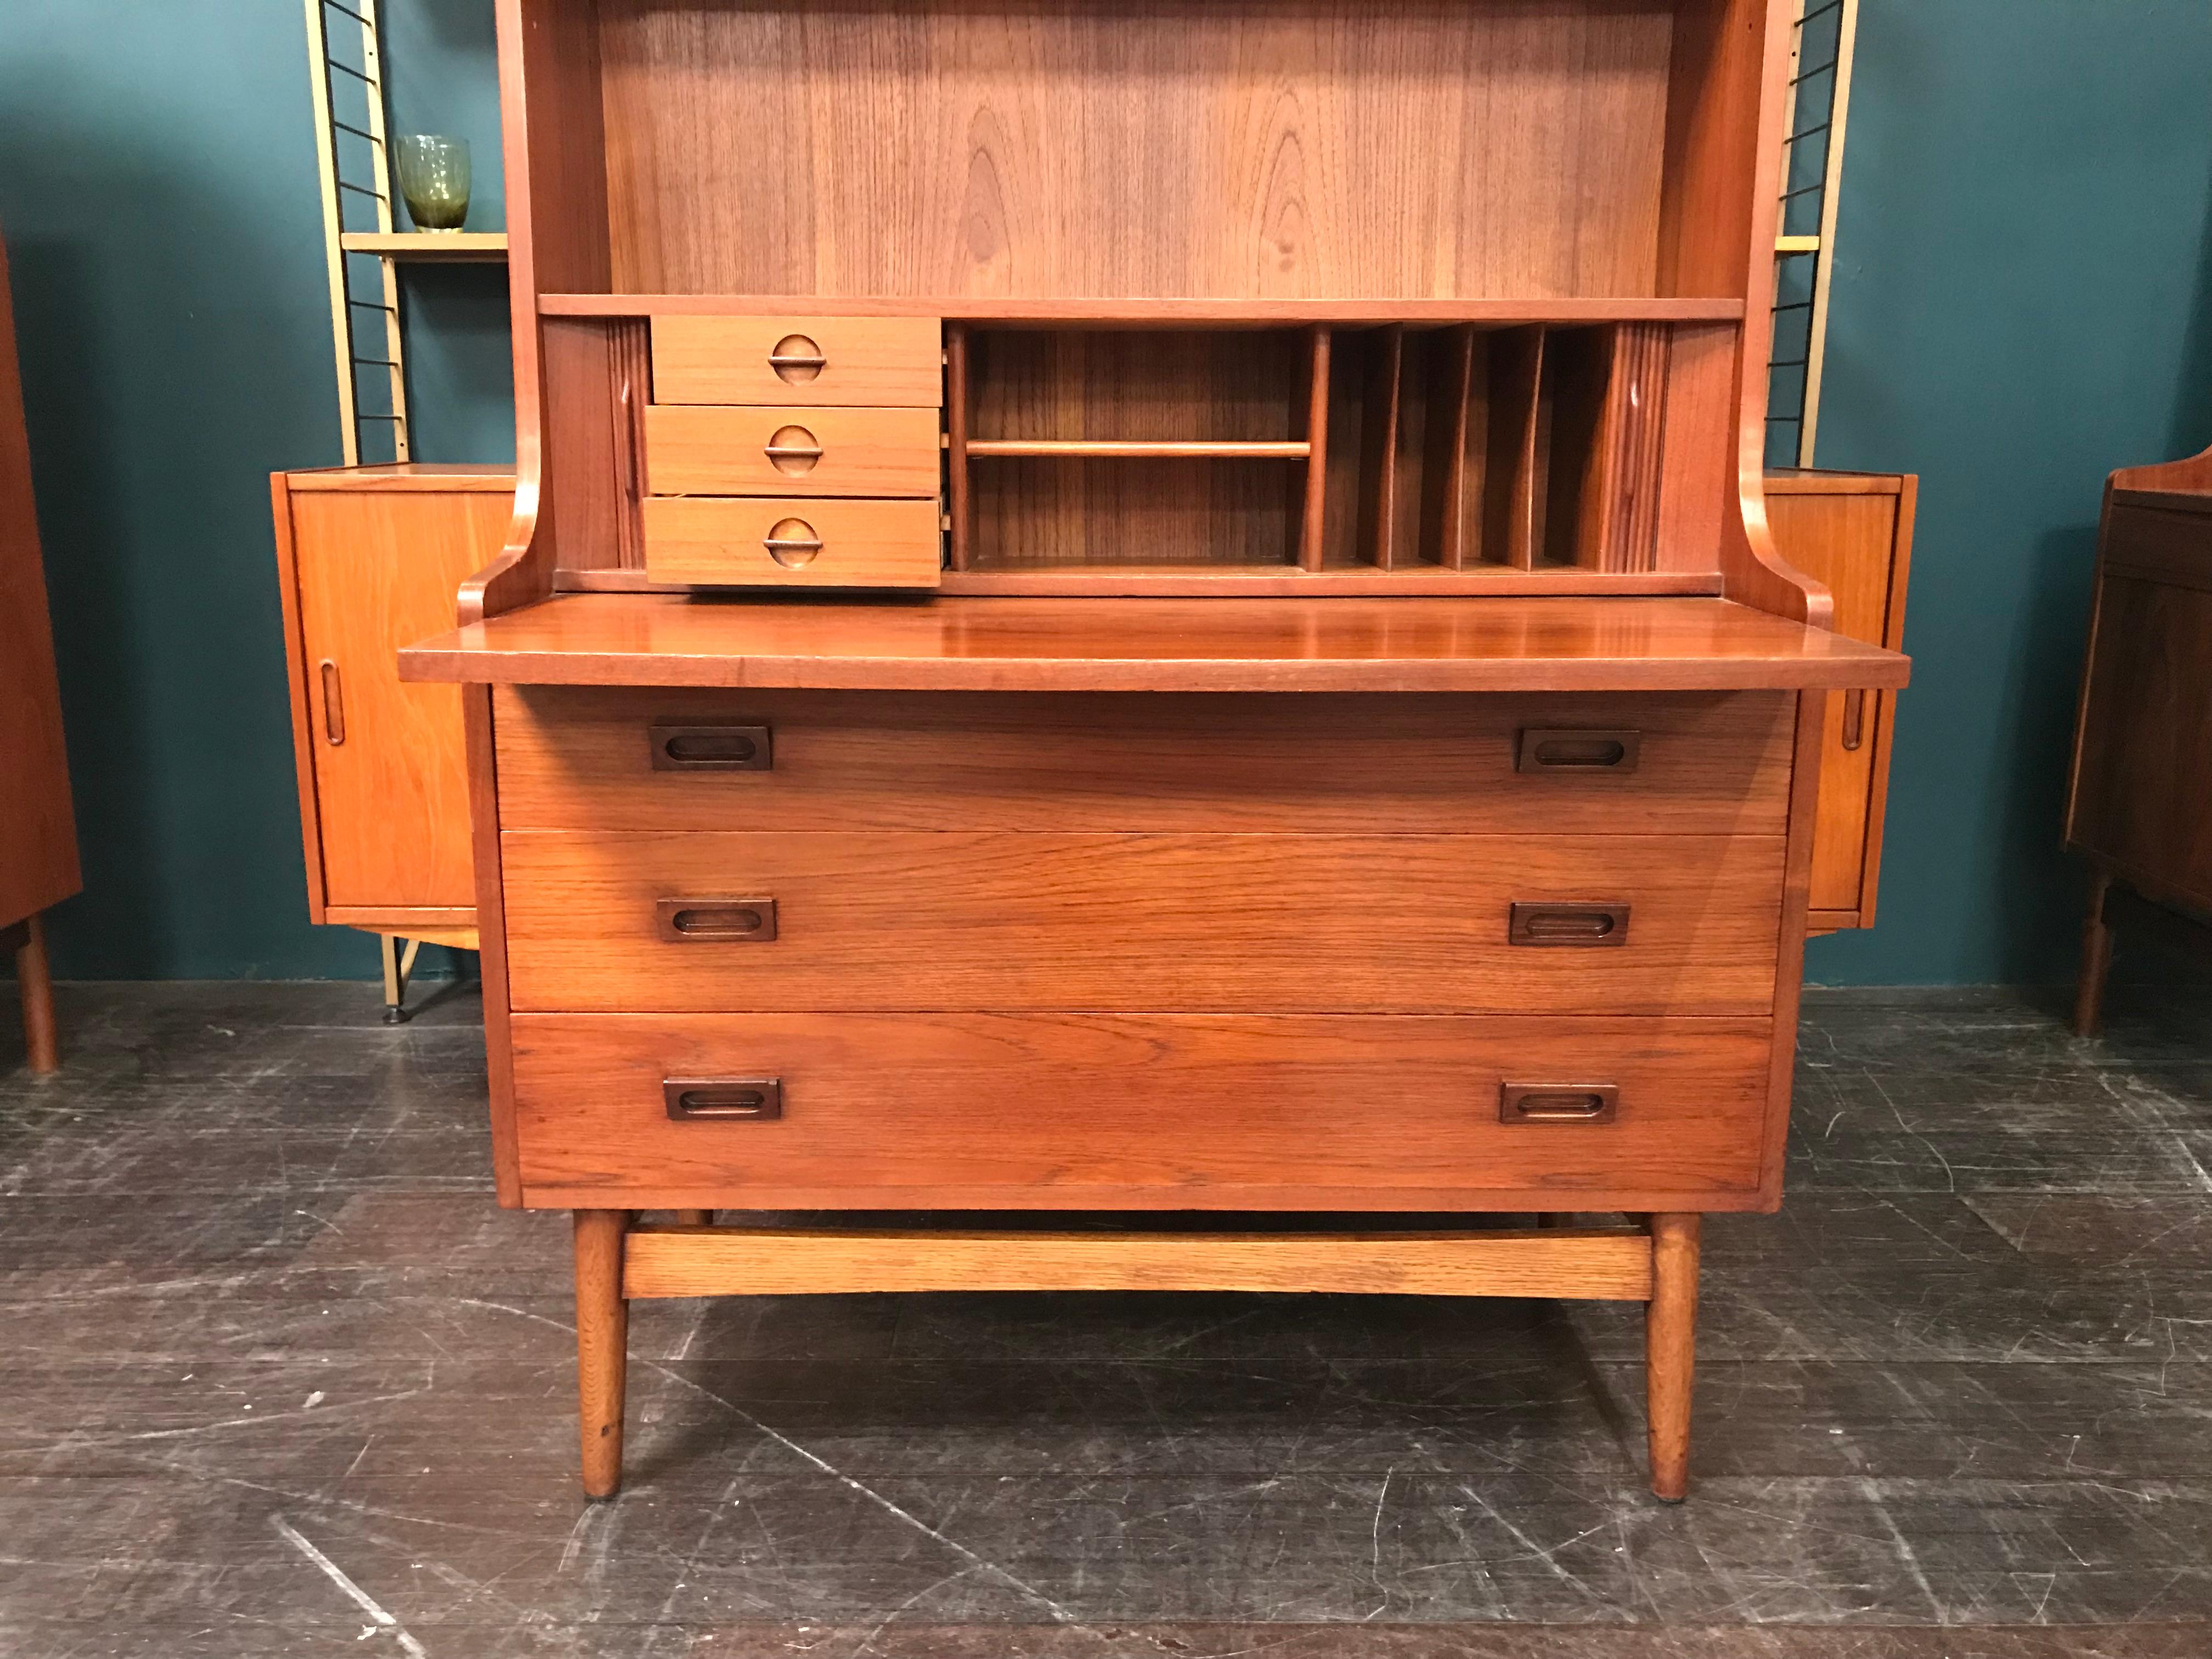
(707, 920)
(702, 450)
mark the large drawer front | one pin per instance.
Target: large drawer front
(1157, 1111)
(596, 922)
(1703, 764)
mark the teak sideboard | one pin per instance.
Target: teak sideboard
(1147, 612)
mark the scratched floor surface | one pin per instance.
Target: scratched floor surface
(277, 1378)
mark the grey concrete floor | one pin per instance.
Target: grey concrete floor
(278, 1378)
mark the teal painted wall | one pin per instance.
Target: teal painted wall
(158, 193)
(2024, 301)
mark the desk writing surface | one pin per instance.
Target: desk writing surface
(977, 644)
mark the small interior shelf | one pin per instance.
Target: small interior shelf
(1451, 449)
(1140, 449)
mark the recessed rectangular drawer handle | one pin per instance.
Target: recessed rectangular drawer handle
(1559, 750)
(715, 921)
(1557, 1102)
(723, 1099)
(1567, 924)
(711, 748)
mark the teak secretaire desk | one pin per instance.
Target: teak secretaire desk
(1280, 696)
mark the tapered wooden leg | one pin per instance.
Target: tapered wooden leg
(602, 1346)
(35, 981)
(2096, 959)
(694, 1218)
(1670, 1351)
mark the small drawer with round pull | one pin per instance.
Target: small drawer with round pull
(710, 541)
(891, 362)
(699, 451)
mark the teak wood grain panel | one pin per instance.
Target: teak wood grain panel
(580, 758)
(1611, 1263)
(1857, 541)
(706, 449)
(1319, 150)
(891, 362)
(37, 831)
(889, 920)
(2142, 798)
(1069, 1110)
(376, 570)
(964, 644)
(728, 540)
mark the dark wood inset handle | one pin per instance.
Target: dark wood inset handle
(796, 360)
(333, 705)
(723, 1099)
(1557, 1102)
(1573, 924)
(715, 921)
(1560, 749)
(711, 748)
(1854, 718)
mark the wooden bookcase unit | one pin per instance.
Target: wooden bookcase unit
(1283, 698)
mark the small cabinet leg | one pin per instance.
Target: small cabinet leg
(2096, 959)
(1670, 1347)
(602, 1346)
(395, 981)
(35, 980)
(694, 1218)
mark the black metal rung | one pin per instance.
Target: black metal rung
(1805, 190)
(1795, 362)
(1821, 10)
(363, 190)
(1803, 75)
(357, 132)
(367, 414)
(368, 305)
(373, 362)
(349, 12)
(365, 79)
(1795, 305)
(1812, 131)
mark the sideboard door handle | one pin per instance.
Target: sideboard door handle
(1558, 750)
(715, 921)
(1854, 718)
(723, 1099)
(1567, 924)
(1557, 1102)
(711, 748)
(333, 705)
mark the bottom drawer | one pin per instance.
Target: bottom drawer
(1139, 1111)
(790, 542)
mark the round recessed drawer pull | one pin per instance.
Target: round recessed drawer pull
(796, 360)
(792, 450)
(792, 543)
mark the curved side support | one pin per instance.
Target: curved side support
(1752, 572)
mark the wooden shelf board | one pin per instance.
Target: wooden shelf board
(1150, 313)
(440, 246)
(1139, 449)
(1342, 643)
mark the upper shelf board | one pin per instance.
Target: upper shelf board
(435, 246)
(1144, 313)
(1156, 645)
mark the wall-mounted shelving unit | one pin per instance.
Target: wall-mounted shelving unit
(362, 240)
(1821, 53)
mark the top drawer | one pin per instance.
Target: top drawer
(891, 362)
(606, 758)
